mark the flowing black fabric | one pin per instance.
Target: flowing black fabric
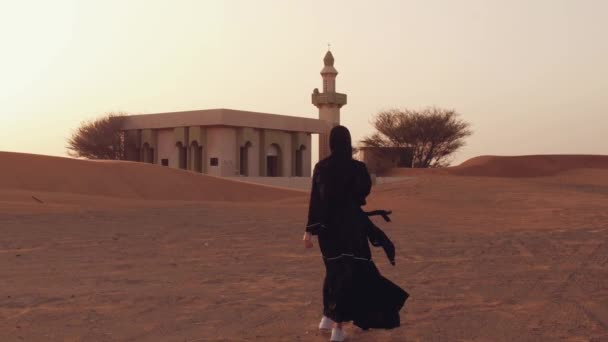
(377, 237)
(353, 289)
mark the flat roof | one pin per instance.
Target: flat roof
(225, 117)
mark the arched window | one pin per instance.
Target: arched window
(147, 154)
(244, 159)
(196, 157)
(273, 157)
(300, 161)
(182, 153)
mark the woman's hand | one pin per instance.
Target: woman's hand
(307, 240)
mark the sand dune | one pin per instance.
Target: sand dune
(528, 166)
(126, 180)
(485, 258)
(512, 166)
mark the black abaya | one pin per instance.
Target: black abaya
(353, 289)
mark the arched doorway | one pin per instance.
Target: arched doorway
(147, 154)
(196, 157)
(273, 157)
(300, 161)
(182, 155)
(244, 159)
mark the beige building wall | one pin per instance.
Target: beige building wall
(308, 156)
(166, 147)
(226, 118)
(222, 144)
(288, 154)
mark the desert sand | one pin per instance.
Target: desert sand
(496, 249)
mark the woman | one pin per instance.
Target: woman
(353, 289)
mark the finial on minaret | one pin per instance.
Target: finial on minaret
(328, 60)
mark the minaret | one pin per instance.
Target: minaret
(329, 102)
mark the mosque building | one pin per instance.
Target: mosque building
(227, 142)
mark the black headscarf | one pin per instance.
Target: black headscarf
(340, 142)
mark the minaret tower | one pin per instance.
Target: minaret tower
(329, 102)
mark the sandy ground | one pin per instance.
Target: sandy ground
(484, 258)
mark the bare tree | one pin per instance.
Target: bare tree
(101, 138)
(433, 134)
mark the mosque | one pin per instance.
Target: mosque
(227, 142)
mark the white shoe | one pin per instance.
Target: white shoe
(326, 323)
(337, 335)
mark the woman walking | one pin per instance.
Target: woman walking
(353, 289)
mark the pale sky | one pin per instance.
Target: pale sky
(531, 76)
